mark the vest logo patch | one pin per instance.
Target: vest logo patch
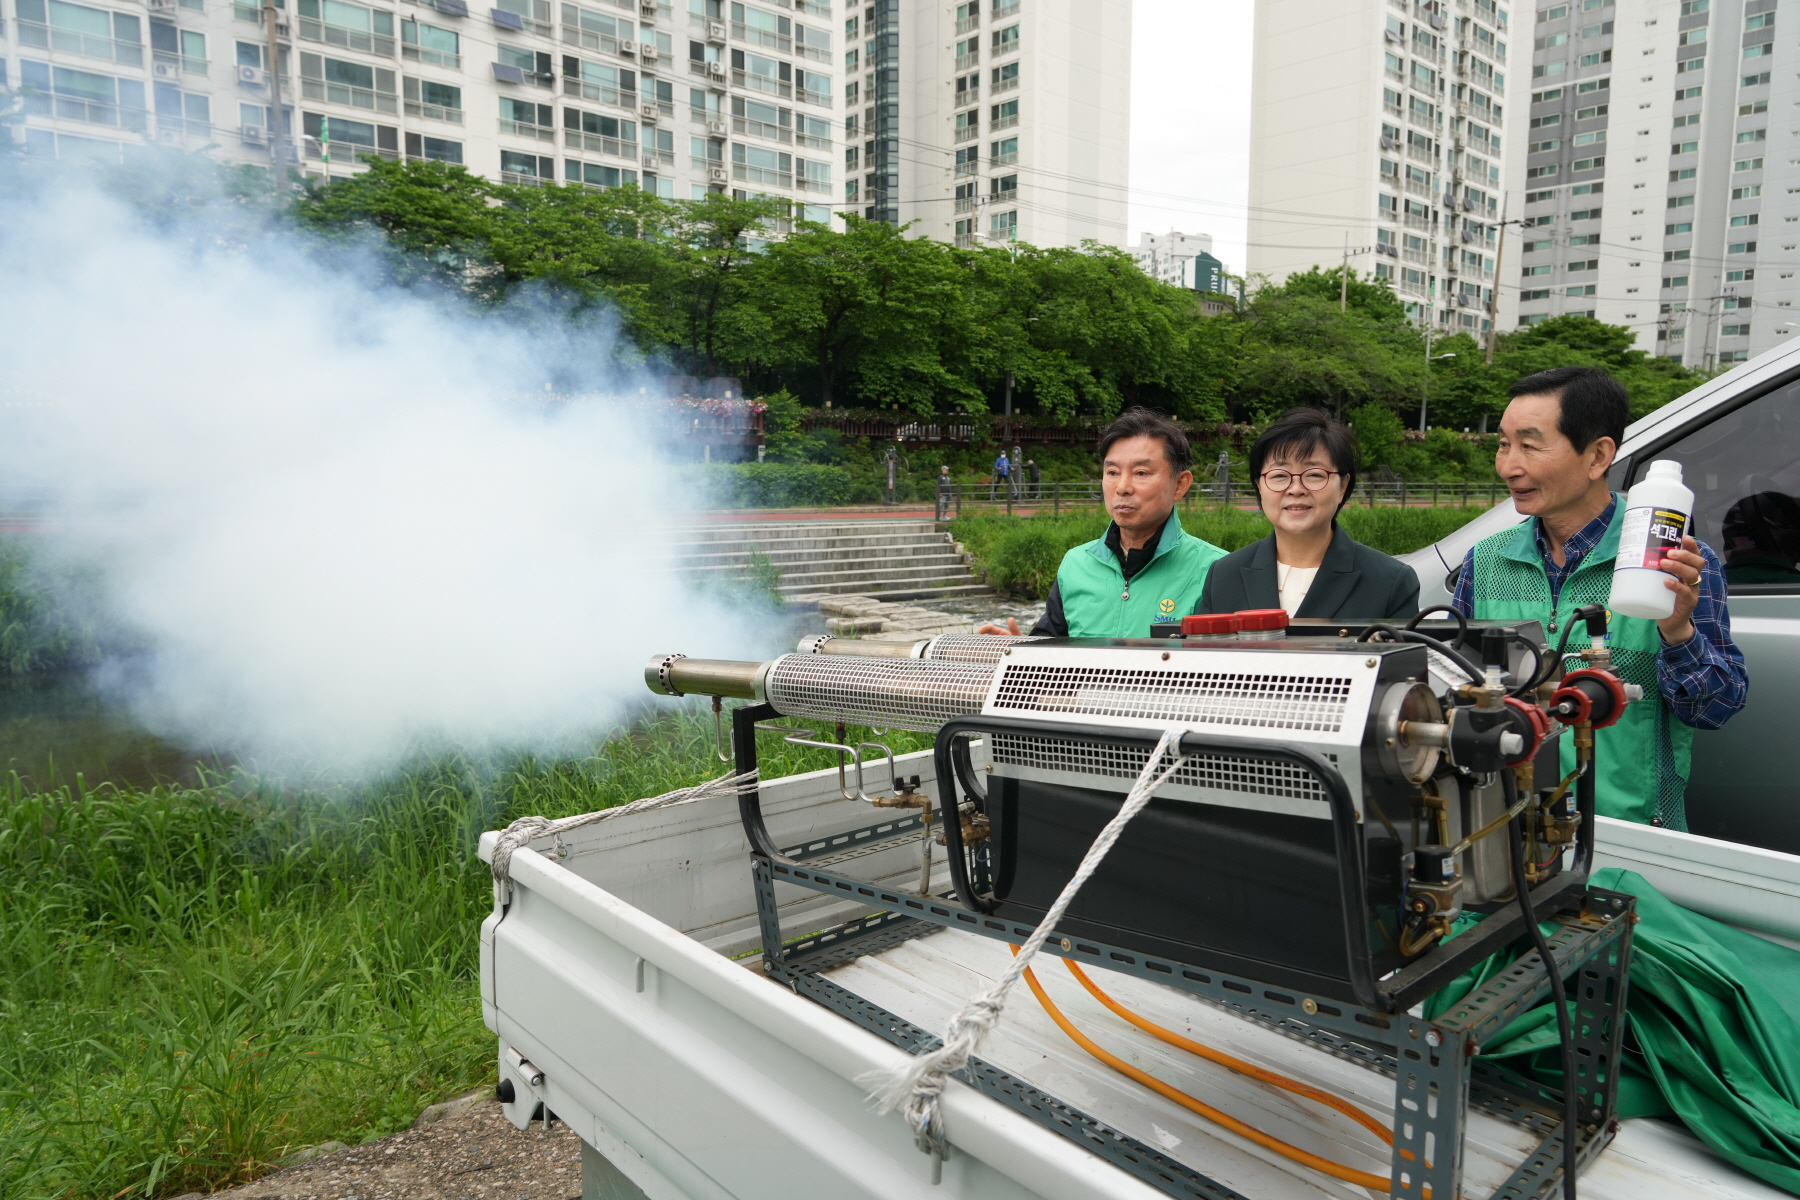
(1167, 606)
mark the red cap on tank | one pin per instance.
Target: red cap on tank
(1203, 625)
(1262, 618)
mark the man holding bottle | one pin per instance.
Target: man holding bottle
(1557, 441)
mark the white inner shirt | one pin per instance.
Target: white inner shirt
(1294, 583)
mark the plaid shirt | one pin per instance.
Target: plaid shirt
(1702, 680)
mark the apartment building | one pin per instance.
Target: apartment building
(1376, 129)
(1183, 259)
(1660, 185)
(1009, 119)
(679, 97)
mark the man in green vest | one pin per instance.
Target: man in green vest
(1147, 570)
(1557, 441)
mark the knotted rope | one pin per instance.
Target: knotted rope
(918, 1084)
(526, 830)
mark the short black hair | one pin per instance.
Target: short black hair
(1592, 404)
(1141, 422)
(1299, 431)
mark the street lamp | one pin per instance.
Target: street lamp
(1425, 387)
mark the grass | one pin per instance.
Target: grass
(1021, 554)
(194, 982)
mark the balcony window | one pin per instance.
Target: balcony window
(434, 101)
(1005, 151)
(762, 74)
(187, 114)
(599, 82)
(1004, 226)
(759, 28)
(810, 87)
(177, 51)
(78, 29)
(430, 44)
(532, 15)
(1006, 41)
(595, 175)
(1004, 116)
(343, 141)
(523, 118)
(812, 42)
(433, 149)
(597, 133)
(753, 164)
(968, 53)
(968, 16)
(352, 26)
(757, 119)
(967, 125)
(1005, 78)
(813, 132)
(594, 30)
(355, 84)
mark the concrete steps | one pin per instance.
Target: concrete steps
(891, 559)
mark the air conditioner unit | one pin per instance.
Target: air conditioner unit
(253, 133)
(647, 51)
(716, 128)
(171, 136)
(649, 112)
(627, 47)
(719, 175)
(647, 7)
(716, 68)
(253, 76)
(715, 31)
(650, 162)
(159, 5)
(165, 70)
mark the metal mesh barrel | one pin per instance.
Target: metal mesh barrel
(896, 693)
(971, 647)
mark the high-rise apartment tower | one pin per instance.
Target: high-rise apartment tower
(1376, 127)
(1660, 181)
(992, 117)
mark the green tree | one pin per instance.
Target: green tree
(1583, 341)
(1299, 347)
(863, 311)
(432, 219)
(714, 243)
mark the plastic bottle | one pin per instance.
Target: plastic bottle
(1656, 516)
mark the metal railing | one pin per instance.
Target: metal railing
(434, 112)
(596, 143)
(184, 63)
(808, 96)
(761, 129)
(968, 23)
(355, 97)
(965, 61)
(70, 41)
(1001, 495)
(999, 123)
(542, 133)
(763, 83)
(350, 39)
(439, 58)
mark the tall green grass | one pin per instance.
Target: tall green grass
(1021, 554)
(194, 982)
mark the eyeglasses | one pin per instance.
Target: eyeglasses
(1312, 481)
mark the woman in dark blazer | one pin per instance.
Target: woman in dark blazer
(1304, 467)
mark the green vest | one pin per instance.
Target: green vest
(1642, 762)
(1098, 603)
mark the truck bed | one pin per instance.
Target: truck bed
(624, 985)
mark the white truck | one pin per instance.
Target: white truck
(621, 974)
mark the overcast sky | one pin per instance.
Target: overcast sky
(1190, 121)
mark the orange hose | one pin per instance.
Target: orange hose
(1236, 1064)
(1294, 1153)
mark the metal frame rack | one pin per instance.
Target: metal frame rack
(1433, 1063)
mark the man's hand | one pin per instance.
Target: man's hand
(1012, 626)
(1685, 566)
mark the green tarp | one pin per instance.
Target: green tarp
(1712, 1037)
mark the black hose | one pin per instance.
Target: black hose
(1547, 667)
(1537, 665)
(1412, 635)
(1558, 992)
(1462, 622)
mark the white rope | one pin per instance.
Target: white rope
(526, 830)
(918, 1084)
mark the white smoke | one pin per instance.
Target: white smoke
(340, 515)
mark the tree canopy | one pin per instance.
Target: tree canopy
(869, 315)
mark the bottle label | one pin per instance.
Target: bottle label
(1647, 536)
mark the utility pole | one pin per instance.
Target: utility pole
(1494, 295)
(1344, 284)
(277, 139)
